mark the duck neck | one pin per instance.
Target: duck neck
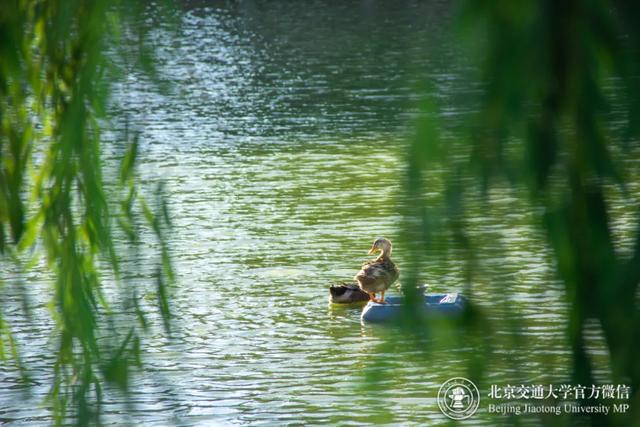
(385, 253)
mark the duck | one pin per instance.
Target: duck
(379, 274)
(347, 293)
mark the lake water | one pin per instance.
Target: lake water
(282, 144)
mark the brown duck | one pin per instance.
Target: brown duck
(377, 275)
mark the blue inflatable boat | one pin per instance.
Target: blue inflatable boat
(445, 304)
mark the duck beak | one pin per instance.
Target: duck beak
(372, 250)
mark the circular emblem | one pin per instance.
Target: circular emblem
(458, 398)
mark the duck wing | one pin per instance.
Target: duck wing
(377, 275)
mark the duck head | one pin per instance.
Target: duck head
(383, 245)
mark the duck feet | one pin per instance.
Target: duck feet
(372, 298)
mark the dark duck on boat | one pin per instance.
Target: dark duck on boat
(347, 293)
(378, 275)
